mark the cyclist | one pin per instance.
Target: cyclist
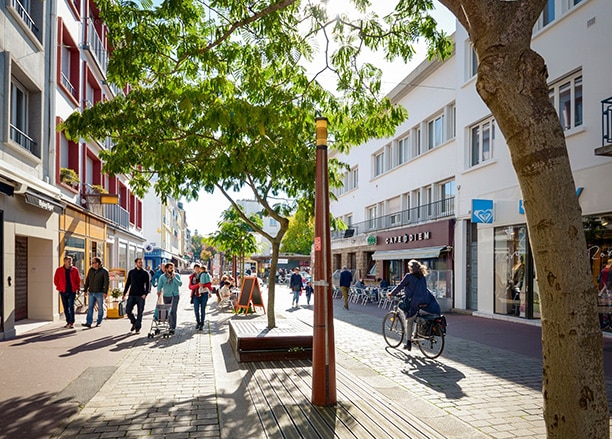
(416, 295)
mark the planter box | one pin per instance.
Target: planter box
(115, 310)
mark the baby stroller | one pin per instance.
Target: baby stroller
(160, 324)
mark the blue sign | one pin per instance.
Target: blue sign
(482, 211)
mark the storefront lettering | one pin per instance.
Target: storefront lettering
(408, 237)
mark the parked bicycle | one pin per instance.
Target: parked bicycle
(429, 333)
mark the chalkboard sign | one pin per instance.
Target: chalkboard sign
(250, 294)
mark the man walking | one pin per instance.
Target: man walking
(67, 281)
(96, 284)
(139, 286)
(201, 296)
(346, 277)
(295, 283)
(168, 285)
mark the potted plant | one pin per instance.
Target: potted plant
(98, 189)
(69, 176)
(116, 293)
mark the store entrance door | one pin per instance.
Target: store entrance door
(21, 278)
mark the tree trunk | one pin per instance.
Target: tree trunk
(512, 82)
(272, 283)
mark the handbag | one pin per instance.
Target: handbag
(121, 307)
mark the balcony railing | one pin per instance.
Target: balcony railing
(606, 122)
(25, 15)
(428, 212)
(68, 85)
(23, 139)
(95, 45)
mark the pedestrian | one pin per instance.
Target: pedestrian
(138, 285)
(194, 281)
(160, 270)
(346, 277)
(308, 290)
(295, 283)
(96, 285)
(416, 296)
(67, 280)
(201, 297)
(168, 288)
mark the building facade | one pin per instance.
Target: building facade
(449, 163)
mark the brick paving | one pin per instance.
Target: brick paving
(190, 386)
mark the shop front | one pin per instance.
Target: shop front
(431, 244)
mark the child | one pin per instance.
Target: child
(309, 290)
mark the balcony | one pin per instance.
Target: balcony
(24, 140)
(113, 213)
(416, 215)
(25, 16)
(95, 47)
(606, 129)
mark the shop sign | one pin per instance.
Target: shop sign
(482, 211)
(408, 237)
(371, 240)
(42, 203)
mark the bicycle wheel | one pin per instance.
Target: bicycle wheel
(393, 329)
(431, 346)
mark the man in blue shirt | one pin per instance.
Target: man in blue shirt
(168, 285)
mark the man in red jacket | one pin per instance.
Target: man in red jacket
(67, 281)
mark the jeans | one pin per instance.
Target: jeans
(68, 303)
(139, 302)
(199, 307)
(296, 296)
(93, 299)
(174, 300)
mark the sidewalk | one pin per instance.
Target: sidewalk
(191, 386)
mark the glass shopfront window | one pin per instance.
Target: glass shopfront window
(75, 247)
(514, 274)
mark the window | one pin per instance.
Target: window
(471, 61)
(354, 180)
(371, 217)
(402, 151)
(29, 14)
(416, 147)
(68, 75)
(566, 96)
(379, 163)
(482, 140)
(22, 131)
(447, 193)
(555, 9)
(548, 14)
(435, 132)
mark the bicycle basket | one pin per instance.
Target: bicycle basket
(439, 325)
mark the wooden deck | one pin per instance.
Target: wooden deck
(251, 340)
(281, 392)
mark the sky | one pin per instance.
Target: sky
(204, 215)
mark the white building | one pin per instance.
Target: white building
(443, 189)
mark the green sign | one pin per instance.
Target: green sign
(372, 240)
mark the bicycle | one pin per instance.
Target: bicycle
(429, 334)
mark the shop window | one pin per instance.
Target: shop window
(512, 274)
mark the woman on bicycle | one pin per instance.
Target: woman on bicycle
(416, 295)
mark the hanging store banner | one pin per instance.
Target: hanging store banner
(482, 211)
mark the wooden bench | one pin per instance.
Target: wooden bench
(251, 340)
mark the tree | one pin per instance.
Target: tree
(197, 245)
(234, 237)
(512, 82)
(219, 99)
(300, 234)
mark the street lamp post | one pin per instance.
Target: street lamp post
(323, 348)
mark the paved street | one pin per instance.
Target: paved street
(120, 385)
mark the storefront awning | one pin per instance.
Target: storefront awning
(412, 253)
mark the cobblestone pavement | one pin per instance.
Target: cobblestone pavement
(491, 389)
(181, 386)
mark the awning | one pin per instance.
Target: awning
(43, 202)
(411, 253)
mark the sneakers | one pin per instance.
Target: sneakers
(133, 328)
(137, 331)
(408, 345)
(171, 332)
(98, 324)
(87, 325)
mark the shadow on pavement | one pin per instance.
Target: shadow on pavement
(35, 416)
(100, 343)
